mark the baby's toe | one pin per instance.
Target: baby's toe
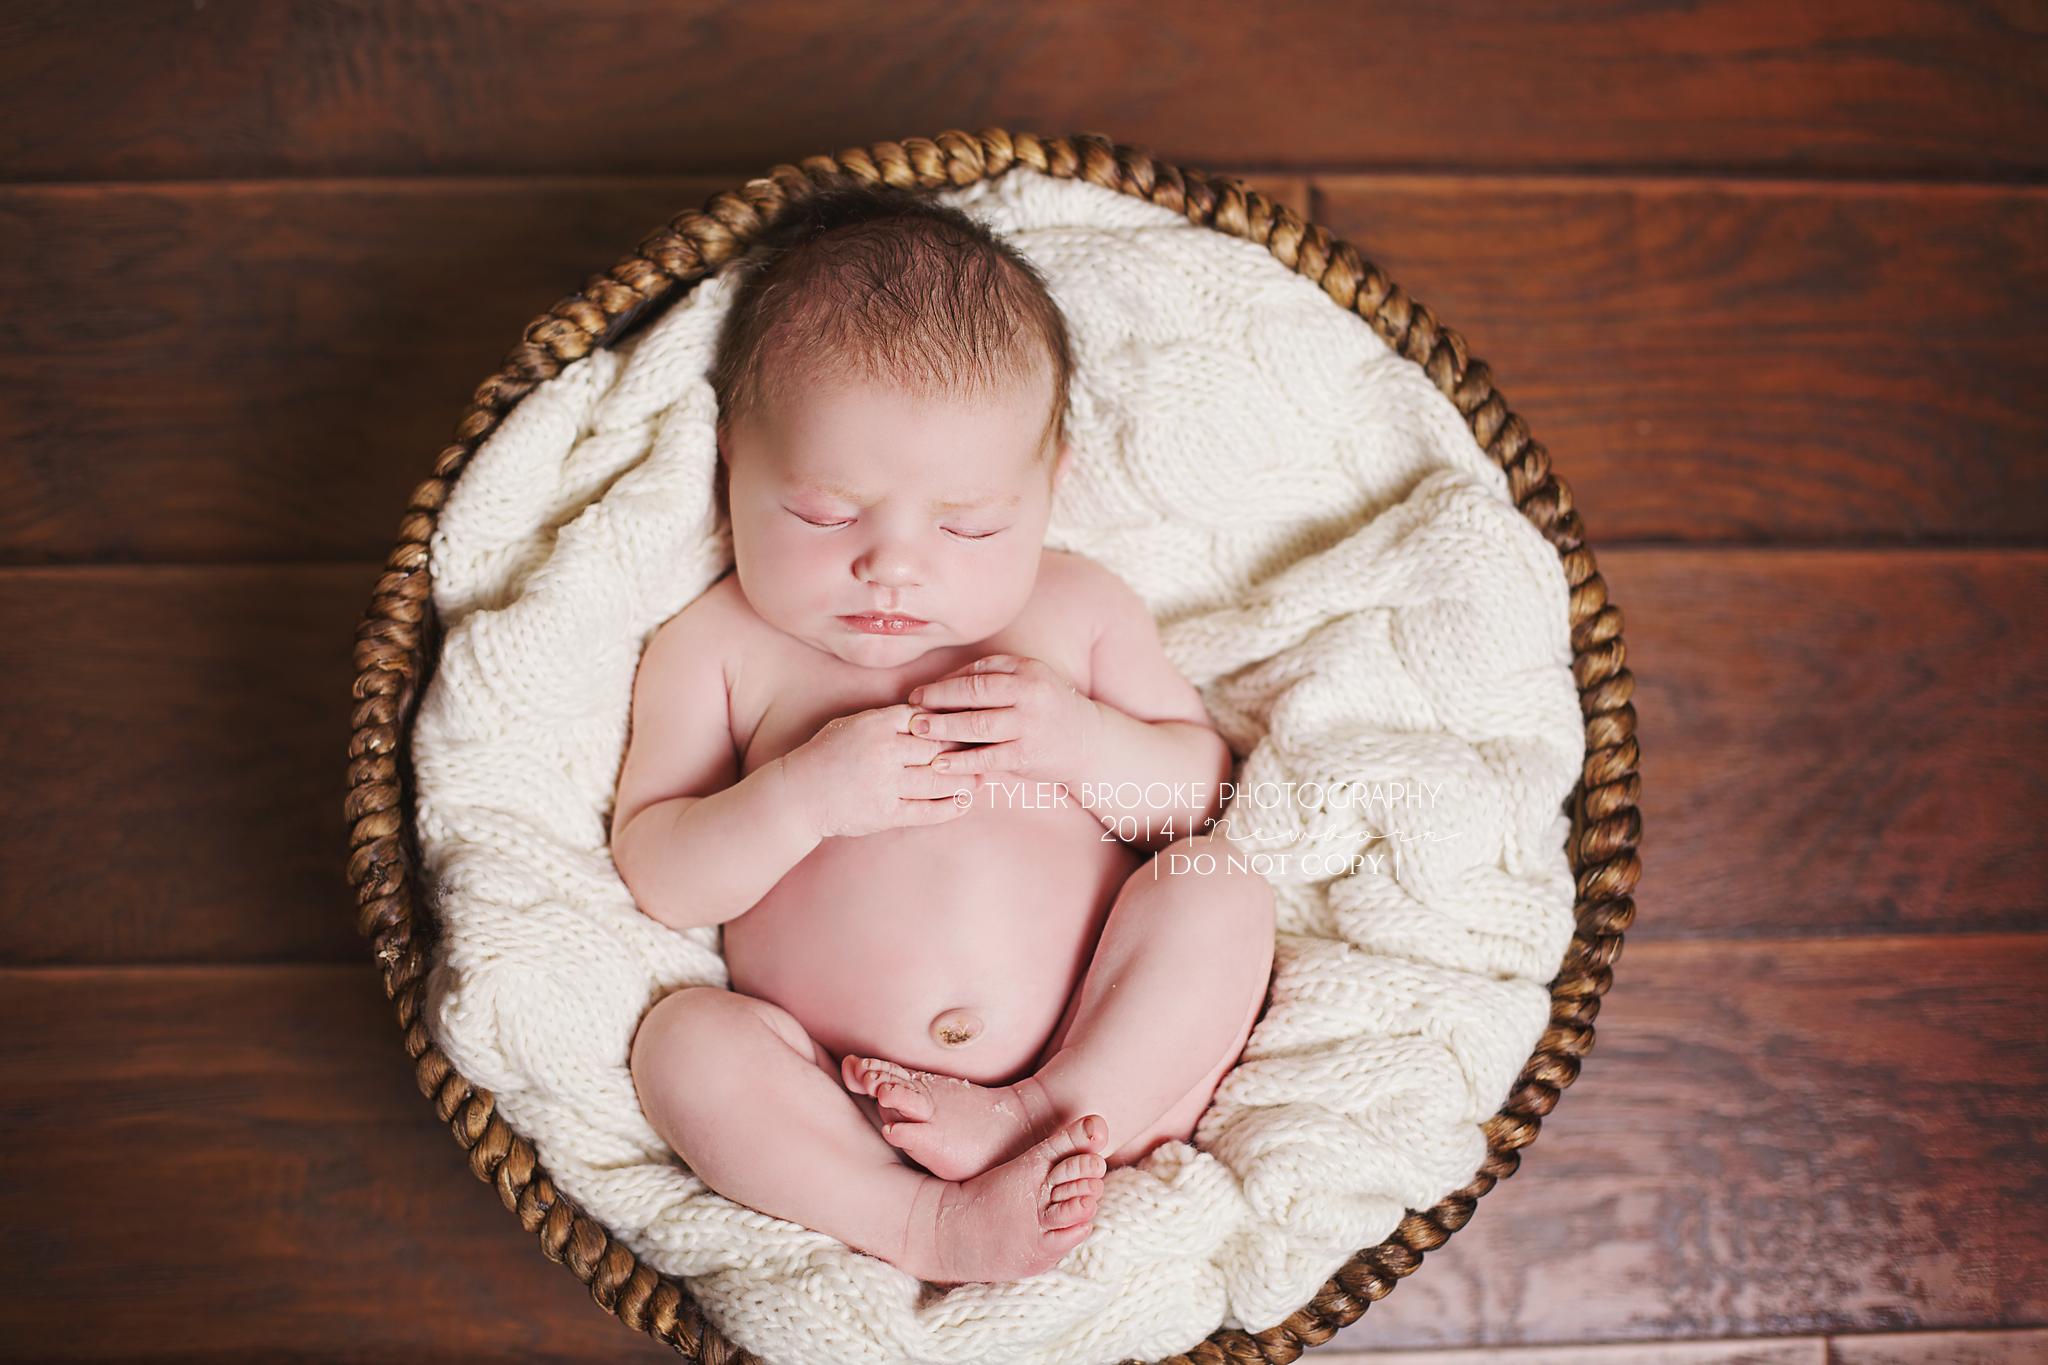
(1068, 1213)
(1090, 1134)
(1080, 1166)
(1055, 1243)
(907, 1100)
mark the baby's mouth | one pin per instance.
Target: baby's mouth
(884, 623)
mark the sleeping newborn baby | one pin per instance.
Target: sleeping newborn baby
(959, 996)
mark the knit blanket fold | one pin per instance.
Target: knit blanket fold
(1380, 635)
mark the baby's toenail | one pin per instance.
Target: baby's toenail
(956, 1028)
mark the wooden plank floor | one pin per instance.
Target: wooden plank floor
(1771, 281)
(252, 371)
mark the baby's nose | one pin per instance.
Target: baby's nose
(892, 564)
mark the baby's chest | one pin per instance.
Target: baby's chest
(787, 699)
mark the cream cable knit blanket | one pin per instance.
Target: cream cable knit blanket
(1374, 627)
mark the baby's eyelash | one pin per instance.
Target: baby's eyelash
(823, 525)
(973, 535)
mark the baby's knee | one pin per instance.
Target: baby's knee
(700, 1029)
(1206, 886)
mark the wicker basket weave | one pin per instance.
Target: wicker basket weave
(397, 645)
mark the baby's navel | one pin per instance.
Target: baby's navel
(956, 1028)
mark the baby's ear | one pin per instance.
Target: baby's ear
(1060, 463)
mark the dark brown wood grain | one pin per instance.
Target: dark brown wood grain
(176, 740)
(1835, 742)
(1838, 741)
(2025, 1346)
(232, 372)
(2022, 1347)
(1769, 1137)
(263, 372)
(1942, 1348)
(1772, 1138)
(462, 87)
(1727, 1351)
(231, 1164)
(1747, 361)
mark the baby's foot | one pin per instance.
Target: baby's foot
(1015, 1221)
(953, 1128)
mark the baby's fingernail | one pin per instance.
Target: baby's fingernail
(939, 763)
(922, 725)
(917, 697)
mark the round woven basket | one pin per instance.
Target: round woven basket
(397, 645)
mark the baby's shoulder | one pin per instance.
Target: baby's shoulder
(1125, 665)
(703, 635)
(1082, 590)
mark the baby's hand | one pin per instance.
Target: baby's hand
(1027, 719)
(865, 773)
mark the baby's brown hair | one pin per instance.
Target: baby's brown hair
(889, 285)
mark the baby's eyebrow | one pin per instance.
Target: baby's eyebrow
(833, 490)
(988, 500)
(857, 498)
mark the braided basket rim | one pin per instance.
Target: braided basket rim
(397, 646)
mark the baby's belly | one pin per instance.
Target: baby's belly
(990, 919)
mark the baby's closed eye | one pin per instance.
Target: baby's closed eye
(822, 522)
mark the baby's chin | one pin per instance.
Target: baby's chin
(864, 650)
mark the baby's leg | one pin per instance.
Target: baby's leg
(1165, 1008)
(1169, 999)
(745, 1097)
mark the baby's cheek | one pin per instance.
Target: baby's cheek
(786, 573)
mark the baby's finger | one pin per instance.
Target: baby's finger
(914, 751)
(967, 691)
(993, 758)
(968, 727)
(915, 812)
(925, 783)
(988, 663)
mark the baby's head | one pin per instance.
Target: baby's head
(892, 386)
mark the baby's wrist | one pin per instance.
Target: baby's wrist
(797, 796)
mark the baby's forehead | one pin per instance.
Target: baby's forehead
(801, 384)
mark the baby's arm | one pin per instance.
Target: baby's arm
(698, 844)
(1154, 730)
(1142, 733)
